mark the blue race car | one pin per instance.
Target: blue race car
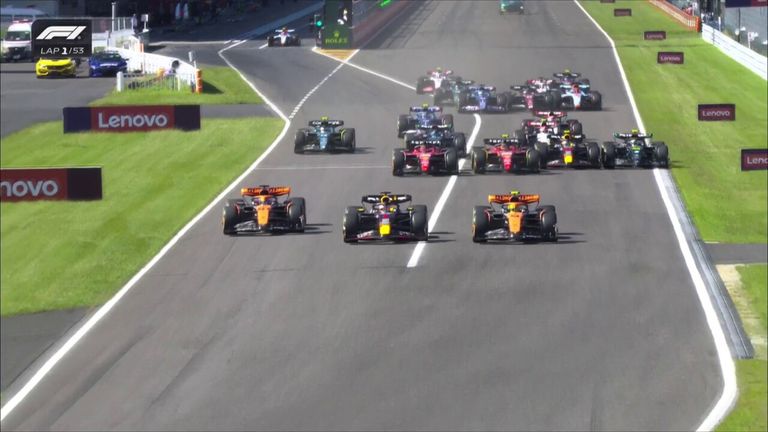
(106, 63)
(325, 136)
(483, 98)
(423, 116)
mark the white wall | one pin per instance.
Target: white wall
(750, 59)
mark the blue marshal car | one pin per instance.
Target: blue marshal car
(106, 63)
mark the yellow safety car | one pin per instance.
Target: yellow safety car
(65, 67)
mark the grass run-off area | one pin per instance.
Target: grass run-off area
(751, 411)
(59, 255)
(221, 85)
(727, 205)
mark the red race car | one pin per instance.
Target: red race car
(505, 154)
(425, 157)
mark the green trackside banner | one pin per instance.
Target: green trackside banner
(337, 32)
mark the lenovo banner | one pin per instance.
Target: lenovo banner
(131, 118)
(754, 159)
(717, 112)
(670, 57)
(745, 3)
(655, 35)
(622, 12)
(35, 184)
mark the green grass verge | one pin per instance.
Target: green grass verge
(751, 412)
(221, 85)
(59, 255)
(727, 205)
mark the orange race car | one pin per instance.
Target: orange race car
(510, 217)
(261, 211)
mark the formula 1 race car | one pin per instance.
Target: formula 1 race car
(423, 116)
(325, 136)
(284, 37)
(434, 80)
(579, 97)
(509, 6)
(635, 150)
(438, 133)
(505, 154)
(549, 123)
(483, 98)
(260, 211)
(381, 218)
(535, 95)
(563, 151)
(510, 217)
(425, 157)
(449, 95)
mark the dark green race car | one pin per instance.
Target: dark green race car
(509, 6)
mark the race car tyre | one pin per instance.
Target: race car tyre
(609, 155)
(480, 224)
(270, 42)
(463, 100)
(420, 85)
(521, 137)
(350, 225)
(597, 101)
(532, 160)
(402, 125)
(549, 208)
(229, 220)
(452, 161)
(299, 141)
(593, 154)
(585, 81)
(460, 142)
(478, 160)
(398, 162)
(548, 225)
(348, 139)
(543, 150)
(297, 214)
(448, 120)
(419, 222)
(661, 153)
(556, 99)
(502, 101)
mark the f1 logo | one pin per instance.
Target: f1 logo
(67, 32)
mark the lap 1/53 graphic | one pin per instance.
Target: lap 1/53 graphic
(52, 38)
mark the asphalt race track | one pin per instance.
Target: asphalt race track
(600, 331)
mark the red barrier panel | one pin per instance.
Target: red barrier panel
(690, 21)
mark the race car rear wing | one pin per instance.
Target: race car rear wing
(629, 135)
(418, 142)
(289, 30)
(519, 87)
(566, 75)
(386, 198)
(430, 127)
(513, 198)
(326, 123)
(427, 109)
(265, 190)
(496, 141)
(581, 86)
(558, 114)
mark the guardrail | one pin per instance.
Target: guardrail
(750, 59)
(691, 21)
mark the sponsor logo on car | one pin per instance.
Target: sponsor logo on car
(669, 57)
(655, 35)
(754, 159)
(717, 112)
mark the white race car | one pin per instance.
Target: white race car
(434, 80)
(284, 37)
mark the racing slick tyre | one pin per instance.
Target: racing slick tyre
(609, 155)
(229, 220)
(478, 160)
(532, 160)
(463, 100)
(398, 162)
(350, 225)
(419, 222)
(270, 41)
(348, 140)
(420, 85)
(549, 208)
(543, 150)
(448, 120)
(593, 154)
(402, 125)
(297, 214)
(480, 224)
(452, 161)
(549, 224)
(597, 101)
(299, 141)
(460, 142)
(521, 137)
(661, 154)
(585, 81)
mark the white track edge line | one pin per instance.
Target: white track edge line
(727, 366)
(420, 246)
(49, 364)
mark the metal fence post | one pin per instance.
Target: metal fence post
(120, 82)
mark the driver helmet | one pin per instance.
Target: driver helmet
(284, 29)
(635, 133)
(438, 69)
(566, 71)
(566, 136)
